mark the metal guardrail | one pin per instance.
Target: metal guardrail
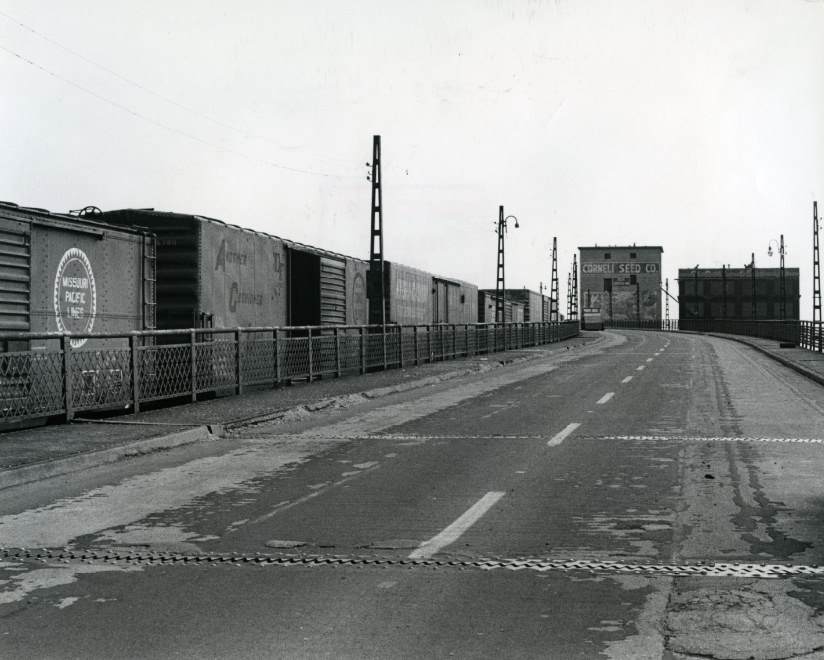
(127, 370)
(806, 334)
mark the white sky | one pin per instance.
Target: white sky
(697, 125)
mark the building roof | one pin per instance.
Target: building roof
(622, 247)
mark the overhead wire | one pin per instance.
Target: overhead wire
(163, 98)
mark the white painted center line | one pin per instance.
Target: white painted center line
(627, 379)
(641, 368)
(558, 439)
(605, 398)
(457, 528)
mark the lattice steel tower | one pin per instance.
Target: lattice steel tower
(376, 283)
(816, 282)
(573, 314)
(553, 292)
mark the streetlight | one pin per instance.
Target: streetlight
(500, 285)
(752, 273)
(783, 313)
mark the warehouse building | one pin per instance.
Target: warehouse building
(727, 293)
(623, 282)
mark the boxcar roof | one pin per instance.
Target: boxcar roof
(67, 220)
(203, 218)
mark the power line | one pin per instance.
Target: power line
(143, 88)
(170, 128)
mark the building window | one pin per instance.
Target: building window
(633, 255)
(633, 279)
(607, 255)
(608, 284)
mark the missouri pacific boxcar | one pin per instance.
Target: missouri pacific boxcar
(67, 274)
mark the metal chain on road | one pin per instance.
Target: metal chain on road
(644, 438)
(151, 558)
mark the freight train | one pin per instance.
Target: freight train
(103, 275)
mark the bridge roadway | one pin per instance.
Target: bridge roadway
(643, 495)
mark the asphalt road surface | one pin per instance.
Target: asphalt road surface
(647, 496)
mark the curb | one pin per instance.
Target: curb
(24, 474)
(375, 393)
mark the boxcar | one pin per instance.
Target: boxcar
(514, 311)
(67, 274)
(532, 302)
(215, 275)
(415, 297)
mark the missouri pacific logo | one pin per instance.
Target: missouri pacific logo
(75, 295)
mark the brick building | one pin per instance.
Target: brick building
(624, 282)
(727, 293)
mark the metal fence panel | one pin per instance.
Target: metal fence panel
(158, 365)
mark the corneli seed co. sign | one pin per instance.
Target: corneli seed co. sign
(75, 295)
(619, 268)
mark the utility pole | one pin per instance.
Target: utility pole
(574, 313)
(376, 281)
(817, 329)
(500, 284)
(666, 302)
(783, 285)
(754, 310)
(638, 304)
(695, 290)
(554, 293)
(569, 296)
(724, 290)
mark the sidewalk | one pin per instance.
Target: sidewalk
(807, 363)
(38, 453)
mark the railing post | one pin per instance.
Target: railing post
(337, 352)
(429, 343)
(400, 345)
(309, 339)
(193, 347)
(466, 333)
(238, 362)
(454, 342)
(385, 358)
(442, 342)
(275, 348)
(135, 374)
(66, 348)
(363, 349)
(415, 335)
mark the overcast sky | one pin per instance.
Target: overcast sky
(694, 125)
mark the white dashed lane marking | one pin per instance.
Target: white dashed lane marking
(641, 368)
(560, 437)
(627, 379)
(605, 398)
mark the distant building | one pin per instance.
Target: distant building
(624, 282)
(727, 293)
